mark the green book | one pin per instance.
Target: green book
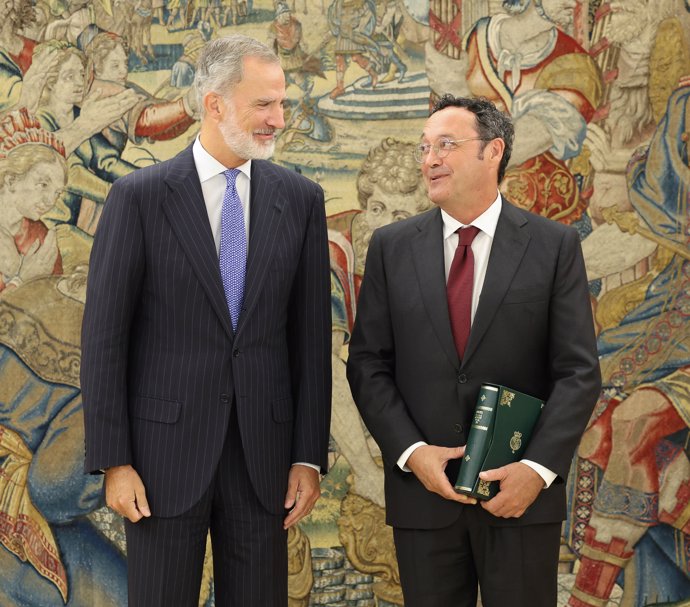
(501, 428)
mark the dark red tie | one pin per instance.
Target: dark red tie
(459, 288)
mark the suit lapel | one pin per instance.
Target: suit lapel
(188, 217)
(267, 201)
(427, 253)
(507, 251)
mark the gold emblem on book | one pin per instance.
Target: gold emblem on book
(467, 457)
(507, 397)
(483, 487)
(516, 441)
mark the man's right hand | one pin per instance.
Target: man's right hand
(429, 462)
(125, 493)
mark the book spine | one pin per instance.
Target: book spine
(478, 439)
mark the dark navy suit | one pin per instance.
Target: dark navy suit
(164, 376)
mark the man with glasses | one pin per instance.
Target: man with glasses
(474, 291)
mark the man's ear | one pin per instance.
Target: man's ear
(214, 105)
(496, 148)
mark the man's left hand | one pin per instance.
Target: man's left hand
(302, 493)
(520, 486)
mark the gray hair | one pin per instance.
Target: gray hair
(219, 67)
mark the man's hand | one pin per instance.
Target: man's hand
(124, 493)
(520, 486)
(429, 462)
(302, 492)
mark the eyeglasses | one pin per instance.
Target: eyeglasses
(442, 148)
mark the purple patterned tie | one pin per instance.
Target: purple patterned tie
(233, 247)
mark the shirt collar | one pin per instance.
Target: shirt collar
(207, 166)
(486, 222)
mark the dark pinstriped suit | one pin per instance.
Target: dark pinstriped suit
(161, 365)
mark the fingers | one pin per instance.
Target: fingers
(141, 502)
(497, 474)
(125, 493)
(291, 494)
(429, 462)
(448, 491)
(520, 486)
(304, 503)
(303, 492)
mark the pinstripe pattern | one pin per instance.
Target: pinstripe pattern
(165, 555)
(161, 364)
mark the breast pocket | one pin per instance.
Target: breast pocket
(525, 295)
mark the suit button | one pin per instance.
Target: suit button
(236, 352)
(457, 428)
(224, 398)
(462, 378)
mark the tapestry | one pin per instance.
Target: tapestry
(599, 92)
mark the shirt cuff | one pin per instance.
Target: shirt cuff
(317, 468)
(545, 473)
(402, 460)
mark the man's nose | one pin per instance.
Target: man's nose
(432, 158)
(277, 117)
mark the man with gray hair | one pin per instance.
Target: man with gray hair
(205, 347)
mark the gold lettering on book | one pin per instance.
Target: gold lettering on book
(483, 487)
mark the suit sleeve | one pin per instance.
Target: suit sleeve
(573, 363)
(309, 334)
(371, 363)
(116, 269)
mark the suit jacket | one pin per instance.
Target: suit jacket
(161, 364)
(532, 331)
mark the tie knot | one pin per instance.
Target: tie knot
(466, 235)
(231, 176)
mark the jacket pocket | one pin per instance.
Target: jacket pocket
(514, 296)
(155, 409)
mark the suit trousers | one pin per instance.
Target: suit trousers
(165, 556)
(515, 565)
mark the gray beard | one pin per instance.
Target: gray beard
(243, 144)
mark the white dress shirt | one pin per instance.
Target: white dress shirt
(481, 249)
(213, 184)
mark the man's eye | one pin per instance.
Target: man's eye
(446, 144)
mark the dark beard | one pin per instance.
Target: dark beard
(24, 15)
